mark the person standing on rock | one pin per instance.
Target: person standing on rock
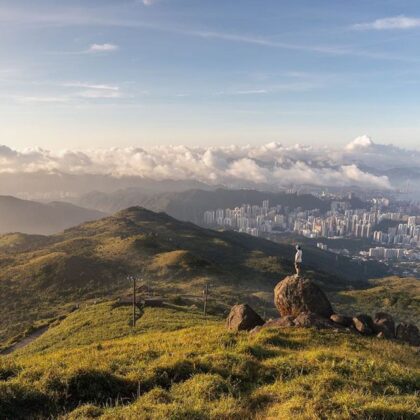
(298, 260)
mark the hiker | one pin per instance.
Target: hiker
(298, 260)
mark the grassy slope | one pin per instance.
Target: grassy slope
(177, 365)
(398, 296)
(42, 278)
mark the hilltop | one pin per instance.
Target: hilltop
(44, 277)
(176, 364)
(31, 217)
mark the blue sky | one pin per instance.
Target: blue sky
(103, 73)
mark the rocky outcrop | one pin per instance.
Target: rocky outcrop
(243, 317)
(295, 295)
(408, 333)
(302, 303)
(342, 320)
(364, 324)
(384, 325)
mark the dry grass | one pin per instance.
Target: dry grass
(177, 365)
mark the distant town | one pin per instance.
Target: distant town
(386, 230)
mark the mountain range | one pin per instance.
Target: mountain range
(190, 205)
(26, 216)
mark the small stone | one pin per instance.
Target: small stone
(364, 324)
(384, 323)
(408, 333)
(345, 321)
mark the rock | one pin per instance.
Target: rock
(307, 320)
(364, 324)
(408, 333)
(294, 295)
(384, 323)
(345, 321)
(243, 317)
(380, 335)
(285, 321)
(256, 329)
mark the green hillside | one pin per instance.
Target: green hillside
(177, 365)
(42, 278)
(400, 297)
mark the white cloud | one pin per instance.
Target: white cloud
(91, 86)
(97, 48)
(271, 165)
(149, 2)
(362, 142)
(99, 93)
(87, 18)
(396, 22)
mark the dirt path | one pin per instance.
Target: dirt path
(25, 341)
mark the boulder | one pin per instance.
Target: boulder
(408, 333)
(283, 322)
(343, 320)
(308, 319)
(243, 317)
(294, 295)
(364, 324)
(384, 323)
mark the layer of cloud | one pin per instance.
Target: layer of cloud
(396, 22)
(98, 48)
(272, 164)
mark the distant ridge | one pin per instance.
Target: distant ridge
(31, 217)
(190, 205)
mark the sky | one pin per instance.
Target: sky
(119, 73)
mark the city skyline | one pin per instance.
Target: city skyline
(142, 73)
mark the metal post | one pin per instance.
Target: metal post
(134, 301)
(206, 293)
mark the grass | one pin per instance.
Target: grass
(398, 296)
(176, 365)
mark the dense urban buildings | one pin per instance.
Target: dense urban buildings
(393, 231)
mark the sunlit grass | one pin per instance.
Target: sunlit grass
(176, 364)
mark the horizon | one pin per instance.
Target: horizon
(143, 73)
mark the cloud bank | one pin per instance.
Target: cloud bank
(395, 22)
(271, 164)
(98, 48)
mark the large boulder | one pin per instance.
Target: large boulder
(243, 317)
(384, 324)
(294, 295)
(408, 333)
(364, 324)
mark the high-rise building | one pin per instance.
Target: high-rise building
(209, 217)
